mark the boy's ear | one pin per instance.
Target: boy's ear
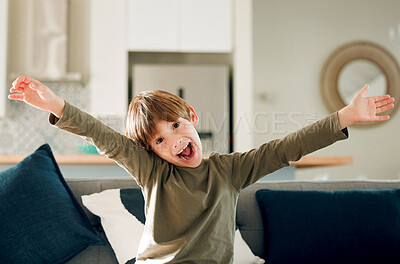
(193, 116)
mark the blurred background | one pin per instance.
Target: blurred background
(253, 70)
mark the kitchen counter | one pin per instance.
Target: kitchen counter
(93, 159)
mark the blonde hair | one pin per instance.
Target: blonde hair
(147, 108)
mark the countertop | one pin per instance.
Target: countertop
(94, 159)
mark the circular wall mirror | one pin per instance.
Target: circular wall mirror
(352, 66)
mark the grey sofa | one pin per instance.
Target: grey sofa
(248, 215)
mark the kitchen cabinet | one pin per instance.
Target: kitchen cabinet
(180, 25)
(108, 58)
(3, 55)
(153, 25)
(204, 87)
(205, 25)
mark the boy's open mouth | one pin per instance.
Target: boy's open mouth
(187, 153)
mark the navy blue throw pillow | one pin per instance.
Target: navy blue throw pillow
(357, 226)
(133, 201)
(41, 221)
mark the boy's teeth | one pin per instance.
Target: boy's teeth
(182, 149)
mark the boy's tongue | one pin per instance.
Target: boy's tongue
(186, 151)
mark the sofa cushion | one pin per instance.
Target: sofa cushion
(357, 226)
(122, 216)
(41, 221)
(242, 254)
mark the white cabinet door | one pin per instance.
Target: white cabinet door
(3, 55)
(153, 25)
(180, 25)
(205, 88)
(206, 26)
(108, 58)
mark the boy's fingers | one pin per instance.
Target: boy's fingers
(19, 80)
(384, 102)
(384, 108)
(363, 91)
(16, 97)
(382, 118)
(381, 97)
(24, 79)
(19, 88)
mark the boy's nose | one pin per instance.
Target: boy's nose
(178, 143)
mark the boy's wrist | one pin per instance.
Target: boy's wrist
(58, 107)
(346, 117)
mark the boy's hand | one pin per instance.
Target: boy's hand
(365, 109)
(36, 94)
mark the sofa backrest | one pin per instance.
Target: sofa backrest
(248, 216)
(88, 186)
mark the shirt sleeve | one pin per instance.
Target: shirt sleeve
(124, 151)
(248, 167)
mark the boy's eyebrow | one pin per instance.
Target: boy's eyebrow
(155, 137)
(166, 124)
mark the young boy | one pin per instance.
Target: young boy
(190, 200)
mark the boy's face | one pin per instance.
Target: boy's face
(178, 142)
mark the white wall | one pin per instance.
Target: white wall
(292, 40)
(243, 75)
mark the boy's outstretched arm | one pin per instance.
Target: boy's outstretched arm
(69, 118)
(36, 94)
(250, 166)
(365, 109)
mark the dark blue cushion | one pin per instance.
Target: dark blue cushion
(357, 226)
(41, 221)
(133, 201)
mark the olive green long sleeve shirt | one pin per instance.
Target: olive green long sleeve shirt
(190, 212)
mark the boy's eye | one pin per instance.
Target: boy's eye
(176, 125)
(158, 141)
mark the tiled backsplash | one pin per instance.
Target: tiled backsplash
(25, 128)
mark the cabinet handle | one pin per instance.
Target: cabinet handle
(181, 92)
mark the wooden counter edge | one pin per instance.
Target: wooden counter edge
(315, 161)
(88, 159)
(94, 159)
